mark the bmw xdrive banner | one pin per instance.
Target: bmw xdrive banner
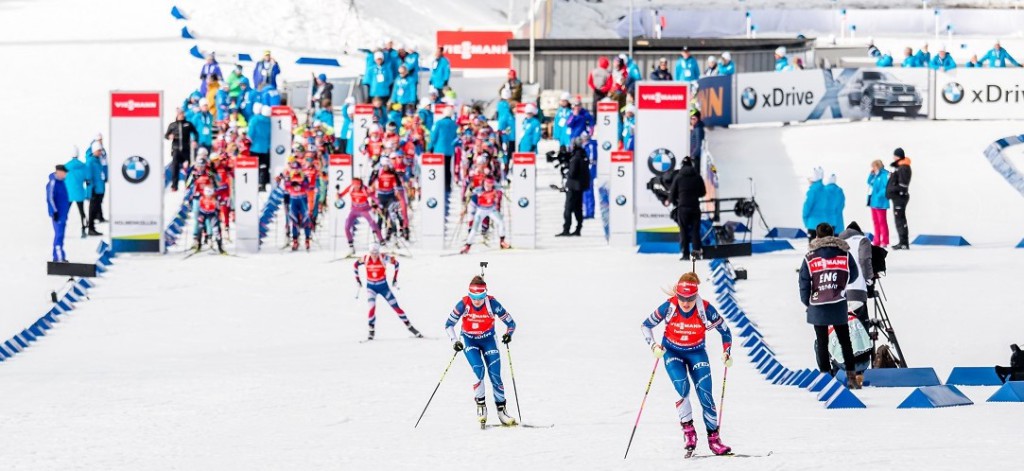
(979, 94)
(662, 141)
(806, 95)
(135, 161)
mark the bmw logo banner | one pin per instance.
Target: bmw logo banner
(247, 207)
(662, 140)
(136, 177)
(606, 133)
(979, 93)
(280, 137)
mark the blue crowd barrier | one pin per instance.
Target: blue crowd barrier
(786, 233)
(1012, 391)
(770, 245)
(944, 240)
(900, 377)
(930, 397)
(843, 398)
(974, 376)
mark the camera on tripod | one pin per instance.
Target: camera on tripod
(560, 158)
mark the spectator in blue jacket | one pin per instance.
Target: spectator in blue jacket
(391, 56)
(782, 64)
(404, 90)
(246, 98)
(884, 60)
(426, 113)
(726, 66)
(909, 59)
(559, 126)
(531, 130)
(223, 102)
(344, 133)
(441, 72)
(266, 71)
(579, 119)
(878, 180)
(923, 56)
(998, 57)
(815, 203)
(506, 122)
(687, 67)
(835, 203)
(269, 95)
(442, 141)
(973, 63)
(590, 148)
(259, 135)
(627, 127)
(379, 76)
(75, 184)
(942, 60)
(58, 205)
(96, 182)
(203, 122)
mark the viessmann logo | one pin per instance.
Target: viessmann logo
(466, 49)
(659, 97)
(132, 105)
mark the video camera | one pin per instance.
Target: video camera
(661, 185)
(560, 158)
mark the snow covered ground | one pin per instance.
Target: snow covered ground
(254, 363)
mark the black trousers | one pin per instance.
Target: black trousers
(264, 162)
(689, 230)
(95, 210)
(824, 361)
(178, 158)
(447, 174)
(899, 213)
(573, 207)
(81, 214)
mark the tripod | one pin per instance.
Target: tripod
(880, 323)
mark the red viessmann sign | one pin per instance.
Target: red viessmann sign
(476, 49)
(134, 105)
(661, 97)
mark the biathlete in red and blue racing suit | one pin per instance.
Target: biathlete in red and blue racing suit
(477, 311)
(377, 285)
(687, 319)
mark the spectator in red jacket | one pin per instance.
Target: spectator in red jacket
(600, 81)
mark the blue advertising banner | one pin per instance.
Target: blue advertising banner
(714, 96)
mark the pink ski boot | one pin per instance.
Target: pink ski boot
(716, 445)
(691, 437)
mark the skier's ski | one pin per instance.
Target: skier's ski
(521, 425)
(691, 456)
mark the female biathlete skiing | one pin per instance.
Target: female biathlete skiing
(377, 285)
(687, 318)
(477, 311)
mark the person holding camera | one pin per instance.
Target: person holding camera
(686, 191)
(1014, 372)
(857, 290)
(897, 189)
(827, 269)
(577, 181)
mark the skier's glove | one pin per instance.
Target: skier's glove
(56, 216)
(394, 282)
(657, 349)
(506, 338)
(458, 346)
(727, 359)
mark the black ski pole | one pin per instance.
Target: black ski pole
(512, 373)
(435, 389)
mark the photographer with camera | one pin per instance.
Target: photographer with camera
(826, 271)
(1014, 372)
(857, 290)
(685, 193)
(577, 181)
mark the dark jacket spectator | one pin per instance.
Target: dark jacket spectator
(514, 85)
(687, 189)
(577, 177)
(826, 302)
(898, 190)
(1015, 372)
(696, 137)
(661, 71)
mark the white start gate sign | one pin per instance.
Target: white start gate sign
(339, 174)
(662, 141)
(432, 202)
(362, 120)
(606, 132)
(523, 197)
(621, 223)
(247, 204)
(136, 172)
(280, 138)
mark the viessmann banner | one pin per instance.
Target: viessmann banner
(979, 94)
(476, 49)
(136, 175)
(817, 94)
(662, 141)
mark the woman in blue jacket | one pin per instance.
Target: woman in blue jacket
(75, 184)
(442, 141)
(879, 204)
(441, 71)
(379, 77)
(835, 202)
(96, 182)
(404, 91)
